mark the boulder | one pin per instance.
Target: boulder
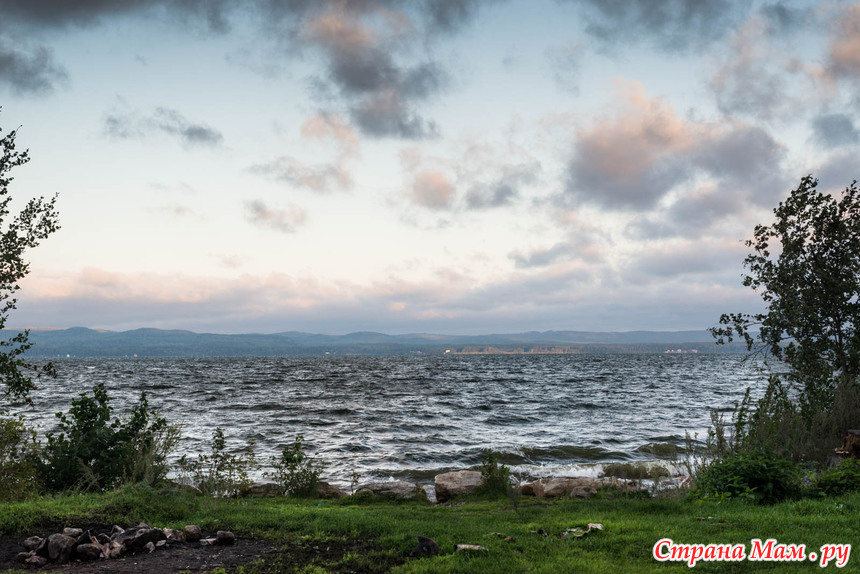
(32, 543)
(22, 556)
(396, 489)
(193, 533)
(426, 547)
(451, 484)
(73, 532)
(264, 490)
(527, 489)
(37, 561)
(174, 535)
(326, 490)
(60, 548)
(138, 537)
(88, 551)
(225, 538)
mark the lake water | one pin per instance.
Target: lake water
(413, 417)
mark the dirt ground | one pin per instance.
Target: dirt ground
(176, 557)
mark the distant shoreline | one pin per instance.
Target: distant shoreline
(79, 342)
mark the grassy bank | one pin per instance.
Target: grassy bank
(373, 536)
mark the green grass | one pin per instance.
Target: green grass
(361, 535)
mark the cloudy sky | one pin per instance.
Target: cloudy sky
(454, 166)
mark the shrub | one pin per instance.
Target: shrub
(497, 477)
(295, 472)
(752, 475)
(92, 453)
(19, 460)
(840, 479)
(220, 473)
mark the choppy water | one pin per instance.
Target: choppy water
(412, 417)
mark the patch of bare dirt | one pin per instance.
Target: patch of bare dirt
(175, 557)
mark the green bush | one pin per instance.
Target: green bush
(497, 477)
(92, 453)
(296, 473)
(219, 473)
(751, 475)
(841, 479)
(19, 460)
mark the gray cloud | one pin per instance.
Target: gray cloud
(683, 261)
(481, 177)
(839, 170)
(505, 190)
(691, 216)
(450, 15)
(172, 122)
(632, 161)
(590, 181)
(668, 24)
(371, 49)
(30, 72)
(834, 130)
(565, 63)
(321, 178)
(543, 257)
(165, 120)
(742, 155)
(62, 13)
(387, 114)
(284, 220)
(845, 47)
(784, 18)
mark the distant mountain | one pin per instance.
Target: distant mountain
(83, 342)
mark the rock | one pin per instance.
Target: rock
(42, 549)
(426, 547)
(469, 548)
(527, 489)
(850, 444)
(225, 538)
(396, 489)
(193, 533)
(579, 486)
(116, 530)
(103, 538)
(22, 556)
(161, 543)
(451, 484)
(208, 541)
(264, 490)
(88, 551)
(60, 548)
(138, 537)
(174, 535)
(85, 537)
(326, 490)
(150, 547)
(32, 543)
(115, 549)
(73, 532)
(37, 561)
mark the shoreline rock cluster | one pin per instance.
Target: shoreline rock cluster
(84, 545)
(449, 485)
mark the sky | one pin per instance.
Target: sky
(444, 166)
